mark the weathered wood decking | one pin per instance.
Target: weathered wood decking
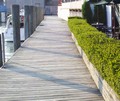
(48, 67)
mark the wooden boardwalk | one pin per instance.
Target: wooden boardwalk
(48, 67)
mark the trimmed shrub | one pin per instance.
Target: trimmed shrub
(87, 12)
(94, 1)
(103, 52)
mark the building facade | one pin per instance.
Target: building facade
(49, 6)
(22, 3)
(69, 8)
(1, 2)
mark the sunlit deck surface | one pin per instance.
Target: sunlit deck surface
(48, 67)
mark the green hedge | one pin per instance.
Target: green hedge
(87, 12)
(103, 52)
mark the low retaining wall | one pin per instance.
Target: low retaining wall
(106, 91)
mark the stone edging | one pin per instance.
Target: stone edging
(106, 91)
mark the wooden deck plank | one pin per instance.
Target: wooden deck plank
(48, 67)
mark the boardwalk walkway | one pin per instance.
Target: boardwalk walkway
(48, 67)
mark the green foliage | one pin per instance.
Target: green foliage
(94, 1)
(102, 51)
(77, 17)
(87, 12)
